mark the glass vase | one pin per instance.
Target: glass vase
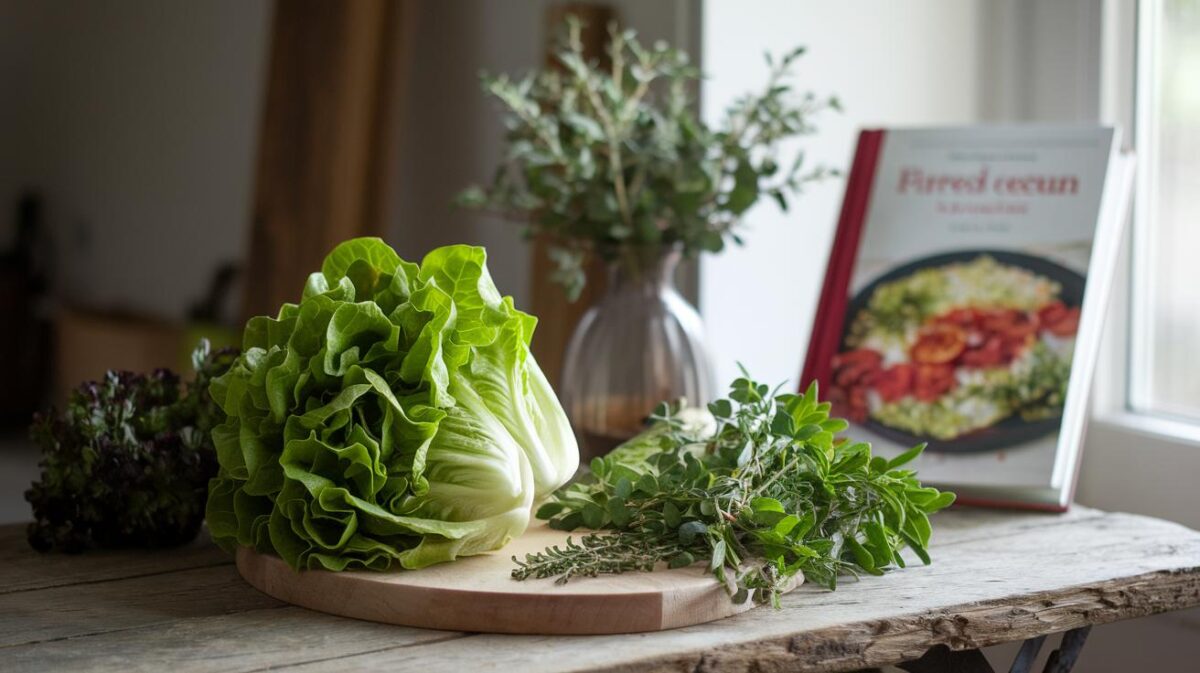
(641, 344)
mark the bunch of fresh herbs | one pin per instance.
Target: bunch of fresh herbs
(771, 496)
(127, 463)
(610, 160)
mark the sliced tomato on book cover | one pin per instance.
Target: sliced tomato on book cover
(962, 305)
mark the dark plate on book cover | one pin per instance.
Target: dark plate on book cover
(1011, 430)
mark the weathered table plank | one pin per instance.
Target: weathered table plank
(255, 640)
(99, 607)
(22, 569)
(996, 577)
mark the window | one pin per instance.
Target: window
(1164, 371)
(1143, 446)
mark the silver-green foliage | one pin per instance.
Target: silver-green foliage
(607, 160)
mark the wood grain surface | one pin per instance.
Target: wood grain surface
(996, 577)
(479, 594)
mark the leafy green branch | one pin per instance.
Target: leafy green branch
(602, 160)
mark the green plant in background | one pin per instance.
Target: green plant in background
(768, 494)
(394, 417)
(608, 161)
(127, 463)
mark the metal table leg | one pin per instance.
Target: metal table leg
(942, 659)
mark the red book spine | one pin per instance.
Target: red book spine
(831, 308)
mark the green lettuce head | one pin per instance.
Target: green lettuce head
(394, 415)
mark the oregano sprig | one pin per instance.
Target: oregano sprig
(768, 495)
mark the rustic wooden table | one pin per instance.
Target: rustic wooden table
(997, 577)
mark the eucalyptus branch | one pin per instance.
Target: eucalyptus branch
(593, 157)
(750, 112)
(615, 166)
(501, 88)
(617, 55)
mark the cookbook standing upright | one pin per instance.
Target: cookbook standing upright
(964, 301)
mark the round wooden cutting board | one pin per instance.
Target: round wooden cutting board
(478, 594)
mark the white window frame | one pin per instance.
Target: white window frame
(1133, 460)
(1126, 90)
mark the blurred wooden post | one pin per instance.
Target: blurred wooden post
(321, 156)
(558, 317)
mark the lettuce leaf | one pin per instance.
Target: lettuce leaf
(394, 417)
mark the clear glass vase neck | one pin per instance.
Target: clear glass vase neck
(643, 270)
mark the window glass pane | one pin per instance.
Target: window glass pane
(1165, 369)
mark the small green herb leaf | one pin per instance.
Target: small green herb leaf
(690, 530)
(681, 560)
(718, 555)
(906, 457)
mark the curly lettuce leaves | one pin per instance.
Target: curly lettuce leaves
(395, 416)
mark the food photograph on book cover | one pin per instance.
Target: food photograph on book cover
(963, 302)
(965, 351)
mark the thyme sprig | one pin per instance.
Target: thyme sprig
(769, 496)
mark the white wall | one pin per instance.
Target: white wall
(910, 63)
(1043, 60)
(452, 134)
(137, 122)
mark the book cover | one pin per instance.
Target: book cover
(964, 298)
